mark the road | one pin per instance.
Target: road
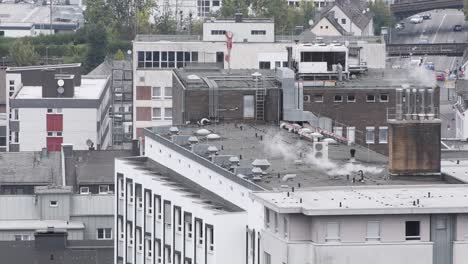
(439, 29)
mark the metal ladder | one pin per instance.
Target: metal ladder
(260, 95)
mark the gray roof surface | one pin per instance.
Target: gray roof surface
(97, 166)
(195, 78)
(353, 11)
(211, 199)
(78, 252)
(284, 150)
(30, 168)
(39, 14)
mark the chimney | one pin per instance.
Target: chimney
(238, 17)
(68, 166)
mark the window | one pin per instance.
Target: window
(383, 135)
(22, 237)
(370, 137)
(384, 98)
(373, 231)
(338, 98)
(210, 237)
(249, 110)
(156, 92)
(156, 115)
(412, 231)
(318, 98)
(168, 113)
(285, 227)
(215, 3)
(466, 229)
(218, 32)
(277, 64)
(351, 98)
(84, 190)
(276, 221)
(167, 92)
(103, 189)
(370, 98)
(54, 134)
(285, 64)
(165, 59)
(267, 217)
(343, 21)
(12, 82)
(267, 258)
(265, 65)
(104, 233)
(333, 232)
(338, 131)
(53, 204)
(258, 32)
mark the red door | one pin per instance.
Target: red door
(54, 122)
(54, 143)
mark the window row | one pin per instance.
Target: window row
(351, 98)
(55, 134)
(157, 93)
(54, 110)
(272, 222)
(266, 65)
(412, 231)
(103, 189)
(158, 114)
(165, 59)
(383, 135)
(258, 32)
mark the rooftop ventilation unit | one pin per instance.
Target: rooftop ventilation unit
(213, 136)
(174, 130)
(320, 150)
(203, 132)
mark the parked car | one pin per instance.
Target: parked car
(400, 26)
(440, 76)
(457, 28)
(426, 16)
(430, 66)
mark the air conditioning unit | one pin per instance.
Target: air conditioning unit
(306, 98)
(320, 150)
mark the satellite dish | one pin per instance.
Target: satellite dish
(311, 22)
(60, 90)
(89, 143)
(60, 82)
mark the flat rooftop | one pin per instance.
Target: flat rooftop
(196, 78)
(39, 14)
(91, 88)
(182, 184)
(291, 159)
(369, 200)
(457, 169)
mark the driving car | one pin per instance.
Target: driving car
(440, 76)
(416, 20)
(457, 28)
(400, 26)
(430, 66)
(426, 16)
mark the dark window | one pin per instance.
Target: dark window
(156, 59)
(351, 98)
(384, 98)
(171, 57)
(285, 64)
(218, 32)
(141, 59)
(264, 65)
(370, 98)
(219, 57)
(215, 3)
(338, 98)
(258, 32)
(343, 21)
(413, 230)
(195, 56)
(149, 59)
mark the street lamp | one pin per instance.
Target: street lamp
(47, 55)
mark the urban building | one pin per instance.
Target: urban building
(51, 105)
(461, 108)
(29, 20)
(3, 111)
(299, 201)
(343, 19)
(191, 9)
(121, 110)
(155, 57)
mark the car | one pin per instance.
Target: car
(423, 40)
(430, 66)
(440, 76)
(426, 16)
(416, 20)
(400, 26)
(457, 28)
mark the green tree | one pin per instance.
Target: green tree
(97, 12)
(465, 9)
(382, 16)
(97, 46)
(165, 24)
(119, 55)
(231, 7)
(22, 53)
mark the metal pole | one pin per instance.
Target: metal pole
(51, 30)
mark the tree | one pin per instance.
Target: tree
(119, 55)
(22, 53)
(382, 15)
(465, 9)
(97, 12)
(97, 46)
(231, 7)
(165, 24)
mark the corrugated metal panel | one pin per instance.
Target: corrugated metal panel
(92, 223)
(10, 204)
(92, 205)
(59, 212)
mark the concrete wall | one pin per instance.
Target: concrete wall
(59, 212)
(80, 125)
(33, 129)
(241, 31)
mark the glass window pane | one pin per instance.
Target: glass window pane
(187, 56)
(171, 56)
(168, 113)
(180, 56)
(167, 91)
(195, 56)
